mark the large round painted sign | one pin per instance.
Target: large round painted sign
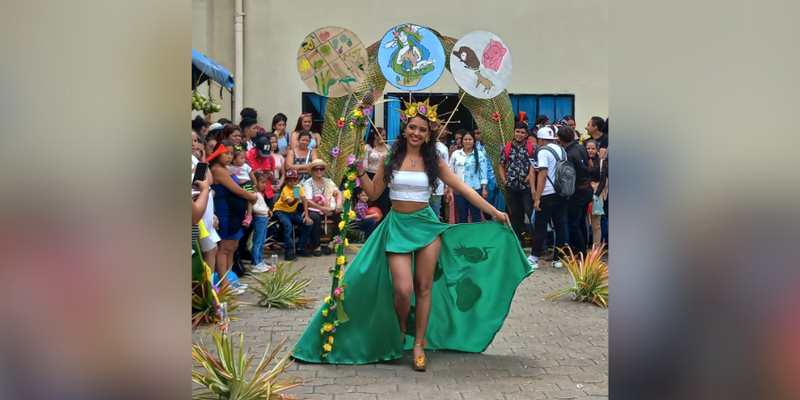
(332, 61)
(411, 57)
(481, 64)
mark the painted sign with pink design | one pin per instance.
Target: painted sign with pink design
(481, 64)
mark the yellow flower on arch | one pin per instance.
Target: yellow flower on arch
(327, 299)
(346, 194)
(325, 312)
(351, 215)
(340, 260)
(351, 177)
(330, 339)
(341, 225)
(346, 242)
(327, 347)
(358, 113)
(327, 327)
(352, 125)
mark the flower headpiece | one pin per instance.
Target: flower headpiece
(423, 108)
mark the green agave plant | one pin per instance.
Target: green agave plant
(225, 376)
(204, 310)
(354, 234)
(589, 277)
(281, 289)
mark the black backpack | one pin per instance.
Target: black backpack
(565, 174)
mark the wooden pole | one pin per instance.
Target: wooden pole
(451, 115)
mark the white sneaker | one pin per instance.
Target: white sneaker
(558, 264)
(534, 261)
(260, 267)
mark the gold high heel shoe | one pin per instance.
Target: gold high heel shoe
(421, 362)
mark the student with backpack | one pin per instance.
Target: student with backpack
(578, 203)
(554, 184)
(516, 173)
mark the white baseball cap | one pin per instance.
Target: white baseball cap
(546, 133)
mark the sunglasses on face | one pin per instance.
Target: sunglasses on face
(318, 169)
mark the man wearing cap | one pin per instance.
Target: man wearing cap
(260, 158)
(547, 204)
(214, 130)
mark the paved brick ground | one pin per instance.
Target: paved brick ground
(545, 350)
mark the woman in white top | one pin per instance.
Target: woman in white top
(374, 151)
(471, 270)
(469, 164)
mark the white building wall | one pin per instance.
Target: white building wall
(558, 46)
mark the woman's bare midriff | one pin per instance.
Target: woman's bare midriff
(407, 207)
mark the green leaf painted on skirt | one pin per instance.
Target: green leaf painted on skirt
(468, 294)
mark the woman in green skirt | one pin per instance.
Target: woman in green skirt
(445, 286)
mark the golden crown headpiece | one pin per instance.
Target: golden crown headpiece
(420, 108)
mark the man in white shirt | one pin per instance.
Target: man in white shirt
(548, 205)
(444, 154)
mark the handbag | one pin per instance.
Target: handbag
(597, 207)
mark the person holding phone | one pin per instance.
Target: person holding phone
(230, 204)
(291, 195)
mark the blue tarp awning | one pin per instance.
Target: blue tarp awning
(205, 68)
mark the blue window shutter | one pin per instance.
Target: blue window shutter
(319, 103)
(514, 103)
(547, 106)
(392, 118)
(564, 106)
(527, 103)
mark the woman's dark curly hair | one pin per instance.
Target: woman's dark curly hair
(428, 151)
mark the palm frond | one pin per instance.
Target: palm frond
(204, 311)
(495, 133)
(282, 289)
(589, 277)
(226, 376)
(345, 138)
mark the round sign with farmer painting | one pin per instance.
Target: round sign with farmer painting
(481, 64)
(332, 61)
(411, 57)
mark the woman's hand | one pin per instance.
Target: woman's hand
(501, 217)
(308, 221)
(327, 211)
(485, 194)
(216, 222)
(360, 170)
(536, 205)
(252, 197)
(448, 196)
(202, 185)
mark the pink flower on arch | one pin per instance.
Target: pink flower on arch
(337, 292)
(351, 159)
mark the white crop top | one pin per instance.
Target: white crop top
(410, 186)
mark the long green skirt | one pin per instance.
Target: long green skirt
(479, 269)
